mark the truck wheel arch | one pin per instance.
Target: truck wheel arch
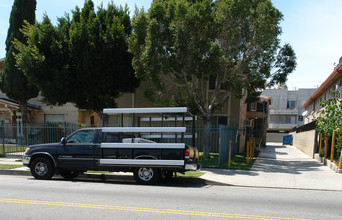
(43, 154)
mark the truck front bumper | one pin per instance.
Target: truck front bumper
(26, 160)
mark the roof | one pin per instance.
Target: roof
(265, 98)
(335, 75)
(15, 104)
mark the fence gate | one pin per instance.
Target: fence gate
(227, 133)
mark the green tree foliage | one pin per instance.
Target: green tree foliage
(330, 118)
(234, 44)
(13, 81)
(83, 59)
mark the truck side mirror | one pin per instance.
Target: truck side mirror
(63, 140)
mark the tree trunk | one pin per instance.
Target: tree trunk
(23, 109)
(207, 139)
(23, 106)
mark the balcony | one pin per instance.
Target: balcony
(276, 126)
(284, 111)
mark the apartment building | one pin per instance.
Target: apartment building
(286, 111)
(332, 83)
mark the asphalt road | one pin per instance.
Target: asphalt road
(23, 197)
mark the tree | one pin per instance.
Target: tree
(233, 44)
(83, 59)
(13, 81)
(330, 118)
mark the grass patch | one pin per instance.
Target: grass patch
(190, 174)
(11, 149)
(98, 171)
(239, 162)
(209, 162)
(10, 166)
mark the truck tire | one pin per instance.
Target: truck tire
(42, 168)
(69, 175)
(146, 175)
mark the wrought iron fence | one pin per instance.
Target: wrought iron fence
(212, 142)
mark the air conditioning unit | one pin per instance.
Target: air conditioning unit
(249, 123)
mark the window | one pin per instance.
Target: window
(54, 118)
(300, 118)
(82, 136)
(110, 137)
(341, 83)
(115, 137)
(219, 120)
(212, 84)
(291, 104)
(253, 107)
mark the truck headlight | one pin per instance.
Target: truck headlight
(27, 149)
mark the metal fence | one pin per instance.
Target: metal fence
(212, 142)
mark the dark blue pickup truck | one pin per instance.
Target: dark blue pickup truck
(112, 149)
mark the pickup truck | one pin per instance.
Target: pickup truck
(115, 149)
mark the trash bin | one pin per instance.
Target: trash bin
(287, 140)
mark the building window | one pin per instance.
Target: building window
(253, 107)
(219, 120)
(212, 84)
(54, 118)
(291, 104)
(300, 118)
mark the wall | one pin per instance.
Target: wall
(305, 141)
(275, 137)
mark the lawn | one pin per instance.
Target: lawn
(9, 166)
(11, 148)
(239, 162)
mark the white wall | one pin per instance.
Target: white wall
(305, 141)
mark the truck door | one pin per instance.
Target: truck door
(78, 153)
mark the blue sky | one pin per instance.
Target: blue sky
(312, 27)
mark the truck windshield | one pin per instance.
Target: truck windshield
(84, 136)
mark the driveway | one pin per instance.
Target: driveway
(281, 166)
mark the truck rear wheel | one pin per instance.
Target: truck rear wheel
(42, 168)
(146, 175)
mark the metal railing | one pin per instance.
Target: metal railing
(212, 142)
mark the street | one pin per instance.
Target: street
(23, 197)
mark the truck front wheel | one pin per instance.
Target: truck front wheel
(146, 175)
(42, 168)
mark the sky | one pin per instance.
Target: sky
(310, 26)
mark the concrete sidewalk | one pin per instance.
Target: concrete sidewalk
(281, 166)
(277, 166)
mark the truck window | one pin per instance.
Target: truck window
(84, 136)
(114, 137)
(111, 137)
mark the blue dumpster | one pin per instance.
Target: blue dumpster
(287, 139)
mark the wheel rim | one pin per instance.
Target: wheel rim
(145, 174)
(41, 168)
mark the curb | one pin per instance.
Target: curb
(15, 172)
(85, 175)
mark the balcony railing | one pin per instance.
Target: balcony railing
(281, 126)
(284, 111)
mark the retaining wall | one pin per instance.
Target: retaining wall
(305, 141)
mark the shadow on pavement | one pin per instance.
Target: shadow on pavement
(190, 182)
(278, 159)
